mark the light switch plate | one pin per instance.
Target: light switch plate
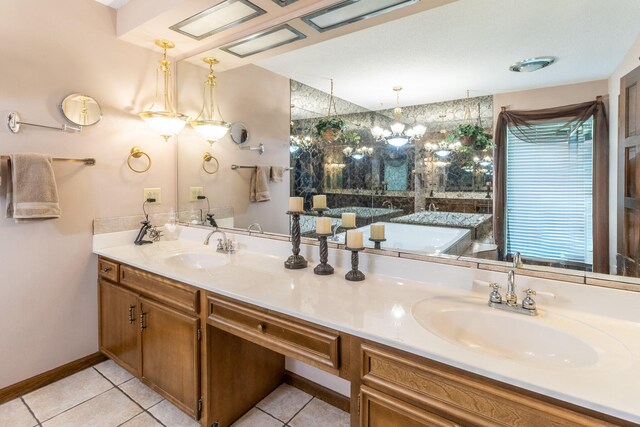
(153, 193)
(194, 192)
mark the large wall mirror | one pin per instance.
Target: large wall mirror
(434, 190)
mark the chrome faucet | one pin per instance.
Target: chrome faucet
(388, 203)
(510, 302)
(225, 245)
(334, 229)
(224, 236)
(258, 226)
(432, 207)
(511, 299)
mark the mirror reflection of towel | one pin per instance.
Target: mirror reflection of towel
(259, 185)
(276, 173)
(32, 193)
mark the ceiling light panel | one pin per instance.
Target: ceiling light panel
(351, 11)
(263, 41)
(218, 18)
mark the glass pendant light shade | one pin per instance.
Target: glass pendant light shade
(166, 122)
(205, 124)
(398, 141)
(398, 136)
(397, 127)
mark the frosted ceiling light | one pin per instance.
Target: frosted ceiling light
(264, 40)
(351, 11)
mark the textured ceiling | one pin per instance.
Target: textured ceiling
(469, 44)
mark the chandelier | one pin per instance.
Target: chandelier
(398, 136)
(167, 122)
(357, 153)
(205, 124)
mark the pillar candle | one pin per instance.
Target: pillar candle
(323, 225)
(348, 220)
(377, 231)
(320, 201)
(295, 204)
(354, 239)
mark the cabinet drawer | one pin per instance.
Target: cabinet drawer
(310, 343)
(462, 397)
(167, 291)
(108, 269)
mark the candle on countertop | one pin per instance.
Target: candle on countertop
(296, 204)
(348, 220)
(354, 239)
(323, 225)
(377, 231)
(320, 201)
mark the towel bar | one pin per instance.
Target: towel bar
(88, 161)
(234, 167)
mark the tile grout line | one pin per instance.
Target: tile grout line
(30, 411)
(304, 406)
(75, 406)
(130, 398)
(265, 412)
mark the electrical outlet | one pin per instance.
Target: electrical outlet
(153, 193)
(194, 192)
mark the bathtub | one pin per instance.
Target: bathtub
(422, 239)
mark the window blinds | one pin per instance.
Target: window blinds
(549, 192)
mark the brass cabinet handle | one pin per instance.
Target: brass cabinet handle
(106, 269)
(132, 317)
(143, 323)
(261, 327)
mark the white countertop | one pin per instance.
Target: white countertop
(380, 309)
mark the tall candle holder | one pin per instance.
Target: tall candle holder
(354, 275)
(321, 211)
(323, 269)
(295, 261)
(376, 242)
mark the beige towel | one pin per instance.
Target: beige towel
(276, 173)
(259, 185)
(31, 188)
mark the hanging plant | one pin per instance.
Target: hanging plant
(471, 136)
(330, 128)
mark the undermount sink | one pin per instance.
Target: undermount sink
(557, 341)
(197, 260)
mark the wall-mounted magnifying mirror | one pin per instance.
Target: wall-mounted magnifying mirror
(81, 110)
(239, 133)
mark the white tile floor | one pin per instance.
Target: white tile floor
(108, 396)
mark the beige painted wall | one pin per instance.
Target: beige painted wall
(628, 63)
(261, 100)
(48, 302)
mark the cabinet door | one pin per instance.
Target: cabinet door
(171, 354)
(381, 410)
(119, 338)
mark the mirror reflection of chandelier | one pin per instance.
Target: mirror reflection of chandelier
(398, 136)
(206, 124)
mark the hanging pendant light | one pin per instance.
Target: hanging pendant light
(398, 136)
(166, 122)
(206, 124)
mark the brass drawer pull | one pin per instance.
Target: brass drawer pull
(132, 317)
(106, 269)
(143, 321)
(261, 327)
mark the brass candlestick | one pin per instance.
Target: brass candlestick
(376, 242)
(354, 275)
(295, 261)
(323, 269)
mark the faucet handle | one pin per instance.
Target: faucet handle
(528, 303)
(495, 296)
(220, 246)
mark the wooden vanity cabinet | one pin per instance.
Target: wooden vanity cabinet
(400, 389)
(150, 326)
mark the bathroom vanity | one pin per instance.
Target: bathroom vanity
(211, 331)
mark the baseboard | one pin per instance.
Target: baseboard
(331, 397)
(30, 384)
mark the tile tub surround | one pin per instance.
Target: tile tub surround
(366, 309)
(479, 224)
(365, 215)
(106, 395)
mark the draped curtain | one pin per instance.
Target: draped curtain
(521, 123)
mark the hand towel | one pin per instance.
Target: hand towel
(32, 193)
(276, 173)
(259, 185)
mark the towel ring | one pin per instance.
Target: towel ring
(136, 153)
(206, 158)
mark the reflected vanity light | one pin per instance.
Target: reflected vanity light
(398, 136)
(166, 122)
(206, 124)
